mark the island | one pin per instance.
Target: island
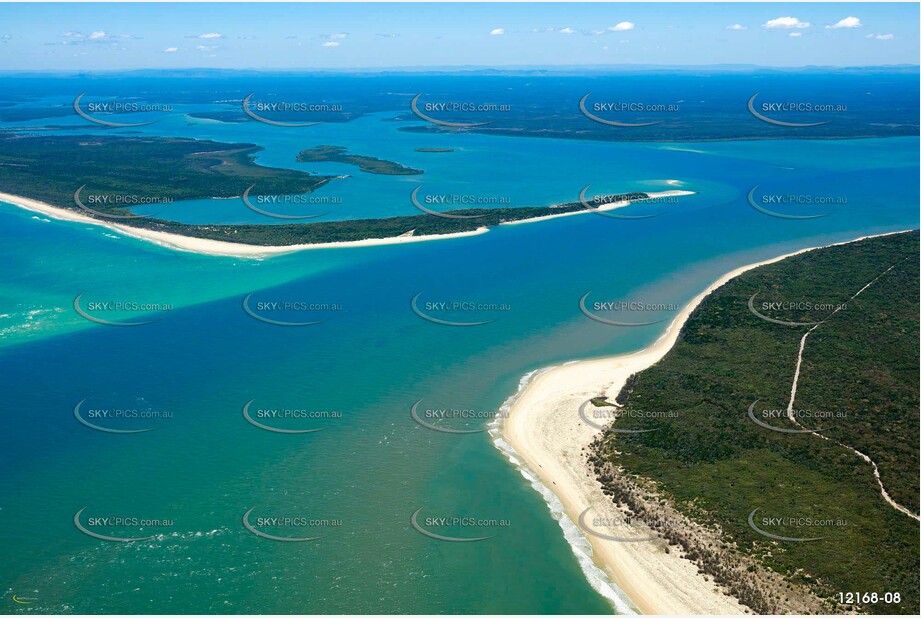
(434, 150)
(371, 165)
(42, 173)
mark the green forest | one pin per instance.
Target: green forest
(858, 385)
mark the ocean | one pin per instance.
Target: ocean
(185, 485)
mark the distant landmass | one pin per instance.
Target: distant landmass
(708, 102)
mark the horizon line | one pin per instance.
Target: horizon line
(468, 67)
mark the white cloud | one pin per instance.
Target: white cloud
(497, 31)
(567, 30)
(881, 37)
(847, 22)
(785, 23)
(73, 37)
(330, 44)
(736, 27)
(170, 50)
(624, 25)
(211, 35)
(206, 47)
(796, 34)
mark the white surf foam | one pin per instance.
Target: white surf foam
(580, 546)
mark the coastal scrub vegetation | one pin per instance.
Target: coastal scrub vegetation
(52, 168)
(858, 385)
(371, 165)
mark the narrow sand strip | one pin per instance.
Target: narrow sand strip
(206, 246)
(545, 431)
(604, 207)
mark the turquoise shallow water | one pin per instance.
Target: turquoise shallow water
(369, 360)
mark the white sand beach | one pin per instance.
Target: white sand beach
(606, 207)
(208, 246)
(233, 249)
(544, 429)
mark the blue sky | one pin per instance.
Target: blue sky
(91, 37)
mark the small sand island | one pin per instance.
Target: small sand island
(434, 150)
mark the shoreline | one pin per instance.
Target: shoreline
(543, 436)
(208, 246)
(606, 207)
(220, 248)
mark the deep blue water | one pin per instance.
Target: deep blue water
(370, 359)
